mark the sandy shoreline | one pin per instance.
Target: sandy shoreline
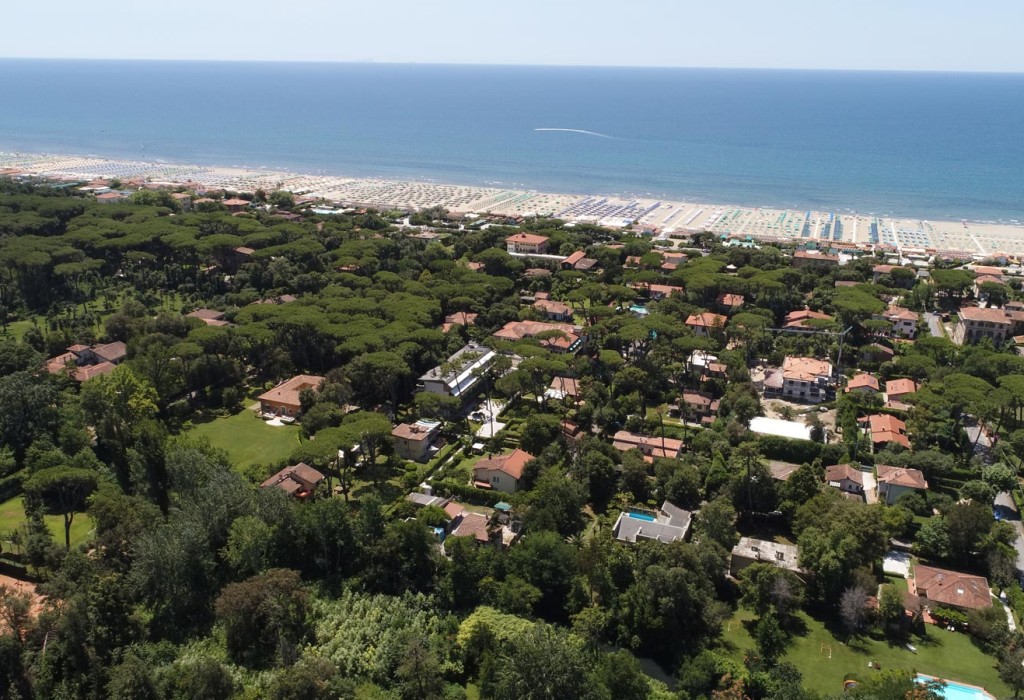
(664, 216)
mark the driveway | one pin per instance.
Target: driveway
(870, 486)
(1006, 510)
(935, 324)
(982, 443)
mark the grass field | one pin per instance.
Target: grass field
(941, 653)
(247, 439)
(12, 516)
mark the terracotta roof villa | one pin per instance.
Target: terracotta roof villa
(501, 473)
(555, 310)
(895, 388)
(472, 524)
(845, 477)
(800, 317)
(893, 482)
(884, 429)
(862, 382)
(299, 480)
(458, 318)
(651, 447)
(805, 368)
(86, 362)
(210, 317)
(976, 323)
(526, 244)
(730, 301)
(803, 379)
(518, 330)
(704, 323)
(571, 260)
(283, 399)
(952, 589)
(807, 258)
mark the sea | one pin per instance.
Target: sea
(928, 145)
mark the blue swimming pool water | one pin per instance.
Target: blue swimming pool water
(637, 309)
(955, 691)
(642, 516)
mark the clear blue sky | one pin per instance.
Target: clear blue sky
(983, 35)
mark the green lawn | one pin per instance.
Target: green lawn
(248, 440)
(12, 516)
(941, 653)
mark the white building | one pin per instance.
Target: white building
(460, 374)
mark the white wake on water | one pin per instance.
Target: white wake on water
(576, 131)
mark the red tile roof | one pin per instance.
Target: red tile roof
(511, 464)
(900, 387)
(730, 299)
(805, 368)
(901, 476)
(798, 318)
(863, 380)
(517, 330)
(838, 472)
(473, 525)
(706, 320)
(886, 428)
(944, 587)
(975, 313)
(288, 392)
(528, 238)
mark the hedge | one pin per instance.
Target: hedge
(11, 486)
(470, 494)
(788, 450)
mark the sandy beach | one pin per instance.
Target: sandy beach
(667, 218)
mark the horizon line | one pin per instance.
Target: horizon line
(958, 71)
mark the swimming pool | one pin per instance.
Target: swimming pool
(638, 310)
(642, 516)
(955, 691)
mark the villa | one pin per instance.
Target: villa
(703, 324)
(651, 447)
(299, 480)
(284, 399)
(669, 524)
(86, 362)
(893, 482)
(459, 376)
(502, 473)
(527, 244)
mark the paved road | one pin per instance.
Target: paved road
(983, 446)
(935, 324)
(1006, 509)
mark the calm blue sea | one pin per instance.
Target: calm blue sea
(931, 145)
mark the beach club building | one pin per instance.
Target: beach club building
(527, 244)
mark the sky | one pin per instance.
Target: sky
(941, 35)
